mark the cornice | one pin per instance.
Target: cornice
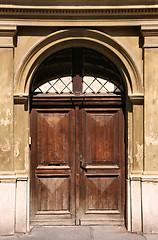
(150, 35)
(67, 12)
(149, 30)
(7, 35)
(8, 30)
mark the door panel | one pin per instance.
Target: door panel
(101, 165)
(53, 166)
(99, 194)
(53, 137)
(101, 138)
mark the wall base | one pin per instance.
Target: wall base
(13, 205)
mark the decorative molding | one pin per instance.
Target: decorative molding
(150, 35)
(75, 12)
(8, 30)
(144, 177)
(12, 178)
(95, 39)
(149, 30)
(7, 35)
(21, 98)
(137, 98)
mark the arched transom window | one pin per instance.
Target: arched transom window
(77, 71)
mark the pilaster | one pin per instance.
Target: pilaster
(150, 173)
(7, 179)
(136, 162)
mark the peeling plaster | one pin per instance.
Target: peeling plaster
(16, 149)
(7, 120)
(5, 147)
(152, 139)
(139, 154)
(27, 157)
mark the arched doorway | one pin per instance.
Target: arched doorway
(77, 130)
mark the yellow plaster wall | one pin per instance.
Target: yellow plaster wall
(129, 38)
(151, 109)
(27, 37)
(6, 109)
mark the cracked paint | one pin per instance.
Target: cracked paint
(139, 155)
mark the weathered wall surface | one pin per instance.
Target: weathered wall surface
(151, 107)
(140, 45)
(6, 109)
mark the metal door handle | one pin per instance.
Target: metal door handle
(83, 164)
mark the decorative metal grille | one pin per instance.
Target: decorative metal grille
(59, 86)
(99, 75)
(99, 85)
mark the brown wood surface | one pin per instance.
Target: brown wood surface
(53, 165)
(77, 162)
(101, 142)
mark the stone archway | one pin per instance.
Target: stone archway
(129, 71)
(94, 39)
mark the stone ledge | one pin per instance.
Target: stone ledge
(144, 177)
(12, 178)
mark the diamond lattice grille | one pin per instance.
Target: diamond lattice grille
(59, 86)
(99, 85)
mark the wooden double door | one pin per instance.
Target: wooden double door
(77, 161)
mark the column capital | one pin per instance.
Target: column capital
(7, 35)
(137, 99)
(150, 35)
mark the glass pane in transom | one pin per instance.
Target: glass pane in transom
(97, 85)
(59, 85)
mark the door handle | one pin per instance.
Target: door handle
(83, 163)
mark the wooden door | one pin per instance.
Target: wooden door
(100, 174)
(53, 166)
(78, 163)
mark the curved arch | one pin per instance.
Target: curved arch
(89, 38)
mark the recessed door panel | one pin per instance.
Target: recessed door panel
(102, 193)
(54, 194)
(101, 137)
(53, 137)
